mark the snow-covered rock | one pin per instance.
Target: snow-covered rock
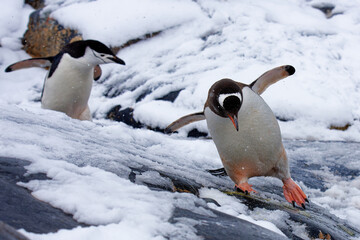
(88, 164)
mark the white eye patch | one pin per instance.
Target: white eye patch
(104, 57)
(223, 96)
(100, 55)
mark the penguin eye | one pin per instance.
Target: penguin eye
(232, 103)
(102, 55)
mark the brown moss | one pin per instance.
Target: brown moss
(340, 128)
(133, 41)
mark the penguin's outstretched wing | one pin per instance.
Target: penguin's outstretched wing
(271, 77)
(43, 63)
(194, 117)
(32, 62)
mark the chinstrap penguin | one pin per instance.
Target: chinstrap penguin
(246, 132)
(68, 83)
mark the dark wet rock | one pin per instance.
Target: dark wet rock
(216, 225)
(194, 133)
(127, 116)
(136, 40)
(113, 90)
(178, 183)
(209, 34)
(324, 7)
(317, 220)
(327, 9)
(37, 4)
(124, 115)
(171, 96)
(143, 95)
(217, 172)
(20, 209)
(184, 185)
(222, 226)
(284, 119)
(210, 200)
(45, 36)
(9, 233)
(308, 175)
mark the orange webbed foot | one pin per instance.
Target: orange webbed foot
(293, 193)
(245, 187)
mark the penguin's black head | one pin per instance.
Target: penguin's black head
(92, 51)
(226, 99)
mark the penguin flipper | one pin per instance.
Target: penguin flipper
(32, 62)
(271, 77)
(97, 72)
(194, 117)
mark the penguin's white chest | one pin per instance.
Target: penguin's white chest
(68, 89)
(256, 147)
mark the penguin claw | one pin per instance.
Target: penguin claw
(245, 188)
(293, 193)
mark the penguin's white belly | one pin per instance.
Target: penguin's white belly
(68, 89)
(253, 150)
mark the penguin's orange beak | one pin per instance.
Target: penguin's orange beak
(234, 120)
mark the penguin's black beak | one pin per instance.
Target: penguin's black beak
(234, 120)
(117, 60)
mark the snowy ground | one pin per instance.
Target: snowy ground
(201, 42)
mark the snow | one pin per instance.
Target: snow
(132, 19)
(88, 166)
(344, 193)
(200, 42)
(234, 207)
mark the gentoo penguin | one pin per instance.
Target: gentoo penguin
(246, 132)
(68, 83)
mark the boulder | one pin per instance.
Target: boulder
(20, 209)
(45, 36)
(327, 9)
(9, 233)
(37, 4)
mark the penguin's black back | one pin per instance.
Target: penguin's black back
(77, 50)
